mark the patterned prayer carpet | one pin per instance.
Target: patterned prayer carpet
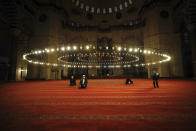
(106, 104)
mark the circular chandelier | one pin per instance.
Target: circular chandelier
(106, 58)
(89, 56)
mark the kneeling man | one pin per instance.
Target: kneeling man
(72, 81)
(129, 81)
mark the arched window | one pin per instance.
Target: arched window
(110, 10)
(87, 8)
(98, 11)
(121, 7)
(82, 6)
(104, 11)
(126, 5)
(115, 9)
(131, 23)
(130, 2)
(92, 9)
(77, 3)
(72, 24)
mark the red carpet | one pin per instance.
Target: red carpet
(105, 105)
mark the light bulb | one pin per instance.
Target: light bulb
(135, 50)
(87, 47)
(74, 47)
(62, 48)
(52, 50)
(68, 48)
(119, 48)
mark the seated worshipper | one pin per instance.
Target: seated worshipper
(129, 81)
(72, 81)
(83, 82)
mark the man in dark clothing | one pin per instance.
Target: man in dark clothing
(155, 78)
(83, 82)
(72, 81)
(129, 81)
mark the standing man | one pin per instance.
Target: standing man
(155, 78)
(83, 82)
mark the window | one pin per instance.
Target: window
(104, 11)
(126, 5)
(98, 10)
(72, 24)
(92, 9)
(130, 2)
(115, 9)
(110, 10)
(131, 23)
(87, 8)
(121, 7)
(77, 3)
(82, 5)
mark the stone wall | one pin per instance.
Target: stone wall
(159, 33)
